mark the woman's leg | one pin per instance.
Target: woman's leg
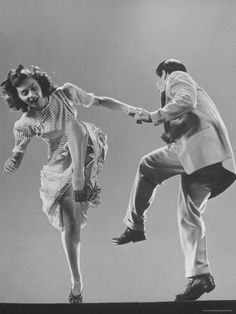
(77, 141)
(71, 240)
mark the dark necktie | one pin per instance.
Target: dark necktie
(163, 103)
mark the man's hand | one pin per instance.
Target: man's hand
(142, 115)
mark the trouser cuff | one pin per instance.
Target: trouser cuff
(133, 226)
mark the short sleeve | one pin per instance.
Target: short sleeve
(23, 134)
(77, 95)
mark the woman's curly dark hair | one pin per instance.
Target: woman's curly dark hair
(16, 76)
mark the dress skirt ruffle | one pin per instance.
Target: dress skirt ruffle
(56, 178)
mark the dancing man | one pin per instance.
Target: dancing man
(198, 149)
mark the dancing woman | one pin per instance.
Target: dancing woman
(76, 152)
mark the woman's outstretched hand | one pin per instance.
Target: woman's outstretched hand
(131, 111)
(10, 165)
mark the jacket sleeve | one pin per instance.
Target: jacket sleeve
(181, 90)
(77, 95)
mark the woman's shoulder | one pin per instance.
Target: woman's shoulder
(67, 88)
(75, 93)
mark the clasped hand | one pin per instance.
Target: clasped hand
(139, 114)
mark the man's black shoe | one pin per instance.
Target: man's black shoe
(196, 287)
(129, 236)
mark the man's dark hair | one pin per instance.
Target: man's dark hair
(170, 66)
(16, 76)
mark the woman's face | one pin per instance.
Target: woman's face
(30, 92)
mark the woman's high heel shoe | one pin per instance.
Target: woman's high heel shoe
(75, 298)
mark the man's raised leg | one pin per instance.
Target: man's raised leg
(153, 169)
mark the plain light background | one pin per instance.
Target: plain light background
(112, 48)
